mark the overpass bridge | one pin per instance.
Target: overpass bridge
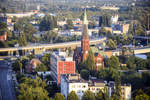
(39, 48)
(141, 50)
(141, 37)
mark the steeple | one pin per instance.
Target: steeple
(85, 22)
(85, 26)
(85, 38)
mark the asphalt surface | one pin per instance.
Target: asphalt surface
(6, 84)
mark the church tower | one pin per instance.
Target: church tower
(85, 38)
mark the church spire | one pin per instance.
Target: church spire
(85, 38)
(85, 22)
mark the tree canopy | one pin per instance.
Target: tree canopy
(59, 96)
(88, 95)
(48, 23)
(72, 96)
(32, 89)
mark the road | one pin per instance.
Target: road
(6, 84)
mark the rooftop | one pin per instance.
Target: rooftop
(73, 78)
(63, 56)
(97, 83)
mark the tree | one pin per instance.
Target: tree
(102, 31)
(117, 91)
(17, 66)
(141, 96)
(88, 95)
(3, 26)
(90, 61)
(32, 89)
(41, 67)
(46, 60)
(113, 62)
(22, 39)
(106, 94)
(104, 20)
(69, 24)
(85, 74)
(51, 36)
(29, 31)
(3, 44)
(59, 96)
(72, 96)
(99, 95)
(48, 23)
(111, 44)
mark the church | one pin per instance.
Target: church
(81, 53)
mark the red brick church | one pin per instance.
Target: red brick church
(81, 53)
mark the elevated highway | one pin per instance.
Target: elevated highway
(37, 48)
(141, 50)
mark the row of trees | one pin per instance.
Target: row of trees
(32, 89)
(88, 95)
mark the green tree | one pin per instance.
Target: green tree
(48, 23)
(117, 91)
(141, 96)
(102, 31)
(104, 20)
(3, 26)
(32, 89)
(72, 96)
(111, 44)
(22, 39)
(99, 95)
(51, 36)
(46, 60)
(139, 30)
(3, 44)
(85, 74)
(59, 96)
(29, 31)
(90, 62)
(17, 66)
(88, 95)
(41, 67)
(69, 24)
(106, 94)
(113, 62)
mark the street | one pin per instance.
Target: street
(6, 84)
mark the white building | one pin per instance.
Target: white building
(114, 19)
(73, 82)
(125, 90)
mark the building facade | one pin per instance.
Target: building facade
(95, 85)
(125, 90)
(73, 82)
(61, 63)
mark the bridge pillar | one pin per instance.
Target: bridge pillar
(8, 53)
(12, 53)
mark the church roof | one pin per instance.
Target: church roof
(96, 51)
